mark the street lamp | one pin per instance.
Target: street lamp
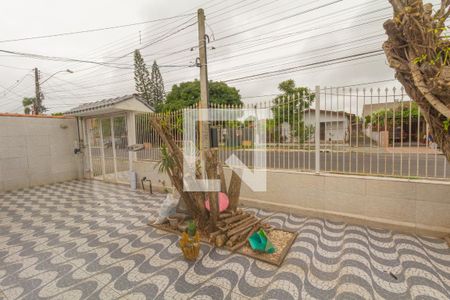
(68, 71)
(38, 108)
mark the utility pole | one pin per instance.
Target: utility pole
(204, 92)
(209, 159)
(37, 105)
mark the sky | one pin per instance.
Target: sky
(254, 45)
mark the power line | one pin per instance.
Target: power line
(260, 96)
(14, 68)
(315, 64)
(174, 64)
(56, 58)
(287, 35)
(370, 82)
(123, 56)
(18, 82)
(115, 43)
(282, 71)
(276, 62)
(317, 50)
(281, 19)
(298, 40)
(102, 64)
(258, 26)
(290, 34)
(91, 30)
(352, 85)
(284, 36)
(313, 50)
(159, 39)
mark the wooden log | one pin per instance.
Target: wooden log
(235, 218)
(222, 228)
(225, 215)
(242, 227)
(220, 224)
(215, 233)
(220, 240)
(245, 220)
(242, 243)
(238, 236)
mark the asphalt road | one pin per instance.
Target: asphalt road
(403, 165)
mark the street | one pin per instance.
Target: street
(409, 165)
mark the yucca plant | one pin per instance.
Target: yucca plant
(166, 163)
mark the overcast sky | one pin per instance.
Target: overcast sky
(249, 38)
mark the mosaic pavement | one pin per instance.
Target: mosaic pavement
(89, 240)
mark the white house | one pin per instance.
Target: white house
(334, 125)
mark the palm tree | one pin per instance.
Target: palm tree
(27, 104)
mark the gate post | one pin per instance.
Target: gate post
(102, 149)
(317, 129)
(88, 138)
(131, 135)
(113, 141)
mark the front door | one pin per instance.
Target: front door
(322, 131)
(107, 148)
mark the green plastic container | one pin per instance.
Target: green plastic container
(260, 242)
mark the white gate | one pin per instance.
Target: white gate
(107, 148)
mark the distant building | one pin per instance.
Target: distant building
(369, 109)
(386, 130)
(334, 125)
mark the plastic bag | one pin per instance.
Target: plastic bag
(168, 207)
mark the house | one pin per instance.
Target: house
(334, 125)
(384, 129)
(124, 104)
(106, 129)
(370, 108)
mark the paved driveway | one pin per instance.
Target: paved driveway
(88, 239)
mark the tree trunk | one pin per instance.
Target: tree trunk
(433, 119)
(212, 163)
(419, 52)
(196, 199)
(234, 191)
(223, 183)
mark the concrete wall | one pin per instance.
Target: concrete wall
(36, 151)
(416, 206)
(160, 181)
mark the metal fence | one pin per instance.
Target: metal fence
(377, 132)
